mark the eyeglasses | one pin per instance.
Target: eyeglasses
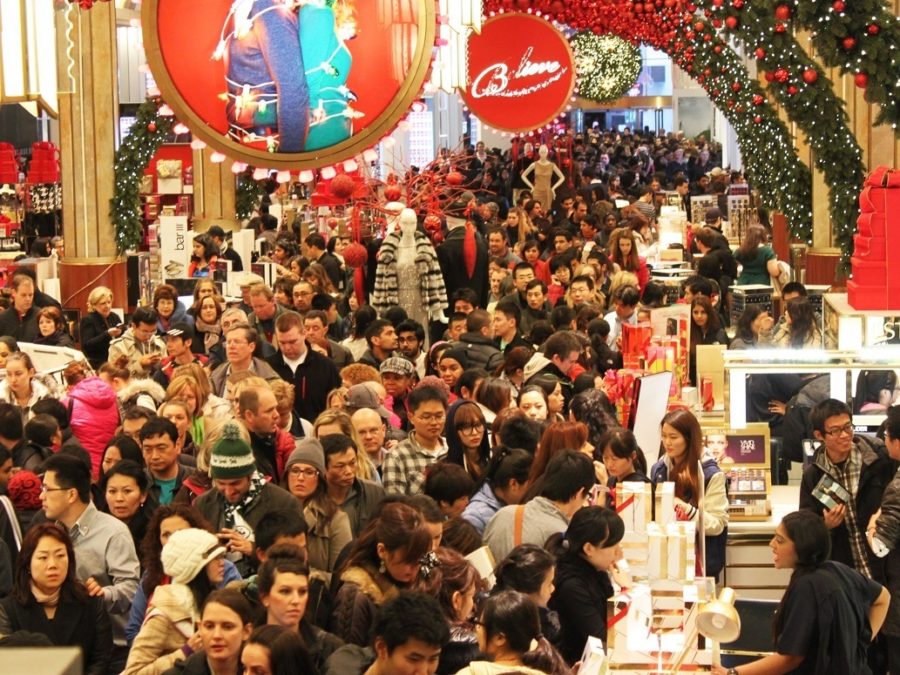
(439, 417)
(45, 489)
(847, 429)
(305, 473)
(476, 428)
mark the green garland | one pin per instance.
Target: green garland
(143, 140)
(248, 194)
(607, 66)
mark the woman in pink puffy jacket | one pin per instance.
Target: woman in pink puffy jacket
(93, 411)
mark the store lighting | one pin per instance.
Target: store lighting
(457, 18)
(197, 144)
(260, 174)
(328, 172)
(306, 176)
(181, 129)
(283, 177)
(217, 158)
(28, 55)
(350, 166)
(238, 167)
(370, 155)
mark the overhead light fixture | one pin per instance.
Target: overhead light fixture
(457, 19)
(28, 55)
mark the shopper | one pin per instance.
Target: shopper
(467, 439)
(99, 327)
(52, 329)
(829, 613)
(531, 570)
(384, 560)
(623, 461)
(758, 261)
(169, 309)
(92, 409)
(404, 468)
(276, 650)
(195, 561)
(125, 487)
(682, 441)
(207, 313)
(505, 482)
(587, 553)
(21, 388)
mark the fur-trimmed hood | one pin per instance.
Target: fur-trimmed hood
(140, 386)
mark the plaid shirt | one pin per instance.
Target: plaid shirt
(403, 470)
(848, 473)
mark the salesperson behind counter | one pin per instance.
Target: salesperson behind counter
(829, 613)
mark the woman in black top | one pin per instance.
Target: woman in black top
(622, 460)
(47, 598)
(99, 327)
(587, 553)
(829, 613)
(52, 329)
(706, 329)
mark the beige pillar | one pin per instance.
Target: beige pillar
(214, 189)
(87, 122)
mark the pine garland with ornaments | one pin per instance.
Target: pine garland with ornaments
(248, 194)
(798, 84)
(607, 66)
(151, 126)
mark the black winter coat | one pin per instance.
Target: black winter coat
(315, 377)
(453, 265)
(94, 338)
(580, 601)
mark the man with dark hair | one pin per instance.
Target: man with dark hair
(523, 274)
(450, 486)
(537, 307)
(562, 241)
(325, 302)
(581, 291)
(862, 467)
(478, 342)
(159, 439)
(105, 559)
(303, 295)
(315, 250)
(463, 301)
(507, 316)
(312, 374)
(218, 237)
(316, 324)
(456, 327)
(519, 431)
(563, 318)
(567, 481)
(498, 247)
(20, 320)
(381, 336)
(179, 340)
(404, 468)
(12, 434)
(240, 345)
(625, 300)
(52, 406)
(139, 348)
(356, 497)
(411, 342)
(410, 631)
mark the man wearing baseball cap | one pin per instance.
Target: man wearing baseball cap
(218, 236)
(179, 340)
(241, 497)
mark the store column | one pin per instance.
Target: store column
(214, 192)
(88, 104)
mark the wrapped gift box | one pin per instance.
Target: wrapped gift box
(682, 558)
(634, 504)
(635, 339)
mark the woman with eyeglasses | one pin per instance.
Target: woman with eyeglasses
(467, 439)
(48, 598)
(195, 561)
(329, 527)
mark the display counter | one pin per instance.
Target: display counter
(748, 559)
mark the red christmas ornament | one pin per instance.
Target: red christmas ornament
(432, 223)
(454, 178)
(791, 90)
(760, 53)
(151, 127)
(737, 4)
(872, 29)
(861, 80)
(342, 186)
(699, 26)
(758, 99)
(810, 75)
(838, 6)
(780, 28)
(757, 119)
(735, 86)
(718, 3)
(355, 255)
(783, 12)
(392, 193)
(781, 75)
(770, 76)
(849, 43)
(523, 4)
(732, 22)
(717, 49)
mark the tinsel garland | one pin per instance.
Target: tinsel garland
(148, 132)
(607, 66)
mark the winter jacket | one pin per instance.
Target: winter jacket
(482, 507)
(268, 448)
(431, 281)
(312, 381)
(325, 540)
(179, 315)
(481, 351)
(878, 471)
(171, 617)
(887, 531)
(133, 350)
(39, 391)
(195, 664)
(22, 328)
(491, 668)
(219, 377)
(715, 509)
(361, 501)
(364, 589)
(76, 624)
(349, 660)
(93, 416)
(580, 601)
(541, 520)
(451, 255)
(143, 392)
(266, 335)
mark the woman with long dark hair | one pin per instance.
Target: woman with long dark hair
(48, 598)
(194, 559)
(509, 634)
(204, 256)
(800, 329)
(622, 460)
(682, 441)
(587, 553)
(751, 323)
(125, 488)
(504, 482)
(706, 329)
(531, 570)
(467, 439)
(829, 613)
(384, 559)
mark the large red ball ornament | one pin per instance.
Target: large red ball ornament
(717, 49)
(861, 80)
(737, 4)
(872, 29)
(454, 178)
(783, 12)
(432, 223)
(781, 75)
(810, 75)
(780, 28)
(717, 23)
(838, 6)
(735, 86)
(760, 53)
(770, 76)
(392, 193)
(791, 90)
(849, 42)
(732, 22)
(699, 26)
(757, 119)
(151, 127)
(355, 255)
(342, 186)
(758, 99)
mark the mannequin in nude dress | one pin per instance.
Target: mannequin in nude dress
(542, 188)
